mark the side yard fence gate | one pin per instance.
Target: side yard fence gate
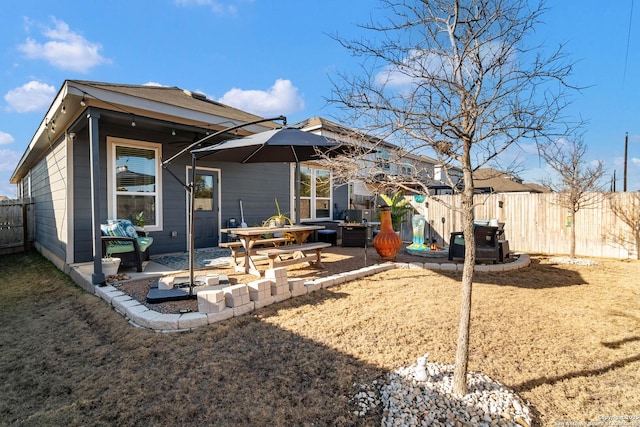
(17, 225)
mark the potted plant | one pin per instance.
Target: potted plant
(110, 265)
(399, 207)
(139, 221)
(277, 220)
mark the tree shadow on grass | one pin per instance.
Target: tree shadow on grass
(537, 382)
(614, 345)
(535, 276)
(69, 359)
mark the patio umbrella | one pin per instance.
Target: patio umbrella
(289, 145)
(277, 145)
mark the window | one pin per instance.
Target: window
(315, 193)
(203, 192)
(382, 158)
(406, 168)
(24, 189)
(134, 178)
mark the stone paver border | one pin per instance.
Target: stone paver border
(141, 316)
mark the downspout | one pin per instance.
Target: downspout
(94, 144)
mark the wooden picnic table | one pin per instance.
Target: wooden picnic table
(248, 236)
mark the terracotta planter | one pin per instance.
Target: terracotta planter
(387, 242)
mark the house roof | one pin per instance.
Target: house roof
(502, 182)
(321, 123)
(171, 96)
(171, 105)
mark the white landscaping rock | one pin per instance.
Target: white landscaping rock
(406, 401)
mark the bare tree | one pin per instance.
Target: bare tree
(455, 78)
(577, 183)
(626, 207)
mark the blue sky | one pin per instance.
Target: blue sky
(275, 57)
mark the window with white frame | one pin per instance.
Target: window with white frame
(134, 177)
(406, 168)
(315, 193)
(24, 189)
(382, 158)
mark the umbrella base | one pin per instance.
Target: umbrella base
(181, 291)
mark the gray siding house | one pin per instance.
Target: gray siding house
(98, 155)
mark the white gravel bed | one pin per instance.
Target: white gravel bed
(420, 395)
(574, 261)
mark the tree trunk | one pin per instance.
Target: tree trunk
(462, 349)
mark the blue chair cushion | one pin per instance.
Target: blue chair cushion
(124, 247)
(123, 228)
(119, 228)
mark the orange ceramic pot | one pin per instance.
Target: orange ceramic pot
(387, 242)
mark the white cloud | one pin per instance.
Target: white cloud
(420, 64)
(155, 84)
(6, 138)
(406, 73)
(635, 161)
(30, 96)
(281, 98)
(535, 174)
(8, 160)
(64, 49)
(529, 147)
(217, 7)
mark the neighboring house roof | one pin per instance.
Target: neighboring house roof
(537, 188)
(502, 182)
(4, 198)
(330, 129)
(172, 105)
(321, 124)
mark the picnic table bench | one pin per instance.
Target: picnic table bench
(237, 250)
(294, 253)
(249, 236)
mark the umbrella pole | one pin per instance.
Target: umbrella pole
(296, 196)
(191, 224)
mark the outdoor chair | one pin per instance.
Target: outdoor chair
(487, 246)
(119, 237)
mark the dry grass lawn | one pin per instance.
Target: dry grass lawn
(566, 338)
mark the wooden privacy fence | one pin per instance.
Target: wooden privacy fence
(16, 225)
(537, 223)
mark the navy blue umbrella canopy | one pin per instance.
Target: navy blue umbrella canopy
(278, 145)
(289, 145)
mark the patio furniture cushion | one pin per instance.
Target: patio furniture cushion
(119, 228)
(124, 247)
(123, 228)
